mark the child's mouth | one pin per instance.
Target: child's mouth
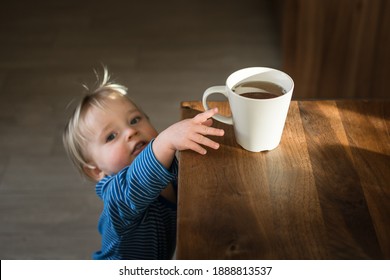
(138, 148)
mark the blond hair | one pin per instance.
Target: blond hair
(73, 136)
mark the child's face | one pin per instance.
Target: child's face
(116, 135)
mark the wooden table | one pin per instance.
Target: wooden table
(324, 193)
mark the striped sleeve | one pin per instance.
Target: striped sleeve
(129, 193)
(146, 177)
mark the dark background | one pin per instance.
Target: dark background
(163, 51)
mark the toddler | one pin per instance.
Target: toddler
(111, 140)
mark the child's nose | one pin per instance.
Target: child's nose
(130, 132)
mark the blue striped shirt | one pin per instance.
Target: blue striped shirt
(137, 223)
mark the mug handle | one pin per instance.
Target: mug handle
(212, 90)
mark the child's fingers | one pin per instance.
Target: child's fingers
(209, 130)
(202, 117)
(209, 122)
(196, 148)
(205, 120)
(197, 145)
(203, 140)
(201, 127)
(209, 143)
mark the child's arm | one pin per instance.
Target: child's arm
(130, 192)
(188, 134)
(133, 189)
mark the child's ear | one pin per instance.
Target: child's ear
(93, 172)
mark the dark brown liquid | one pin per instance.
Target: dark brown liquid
(259, 95)
(259, 90)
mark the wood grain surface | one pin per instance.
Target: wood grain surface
(324, 193)
(337, 49)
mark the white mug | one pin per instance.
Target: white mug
(258, 123)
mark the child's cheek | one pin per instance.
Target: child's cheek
(119, 159)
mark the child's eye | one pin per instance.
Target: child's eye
(135, 120)
(110, 137)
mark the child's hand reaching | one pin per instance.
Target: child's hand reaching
(189, 134)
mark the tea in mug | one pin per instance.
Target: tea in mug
(259, 90)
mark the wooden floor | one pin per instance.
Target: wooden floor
(164, 51)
